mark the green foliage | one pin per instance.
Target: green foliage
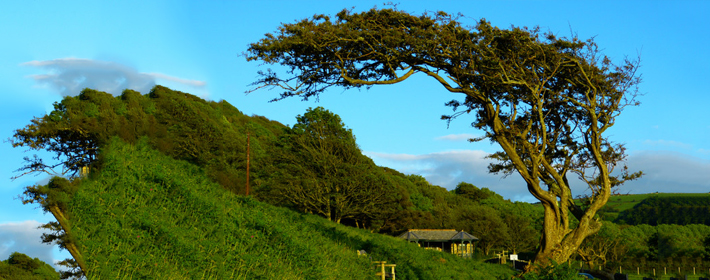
(210, 134)
(322, 171)
(149, 216)
(317, 155)
(547, 101)
(553, 272)
(486, 224)
(472, 192)
(649, 247)
(21, 267)
(678, 209)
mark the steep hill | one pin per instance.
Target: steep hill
(286, 163)
(148, 216)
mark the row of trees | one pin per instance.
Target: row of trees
(647, 246)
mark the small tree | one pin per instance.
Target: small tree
(485, 223)
(547, 101)
(605, 247)
(334, 179)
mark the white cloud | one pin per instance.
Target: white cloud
(665, 172)
(69, 76)
(667, 143)
(447, 169)
(456, 137)
(24, 237)
(668, 172)
(193, 83)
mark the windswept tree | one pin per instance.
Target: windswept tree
(547, 101)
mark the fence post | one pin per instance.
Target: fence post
(637, 270)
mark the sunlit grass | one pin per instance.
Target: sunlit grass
(148, 216)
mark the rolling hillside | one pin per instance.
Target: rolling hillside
(625, 203)
(145, 215)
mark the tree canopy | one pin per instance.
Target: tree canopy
(21, 266)
(547, 101)
(324, 172)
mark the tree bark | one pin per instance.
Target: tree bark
(71, 247)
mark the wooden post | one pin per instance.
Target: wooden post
(391, 266)
(382, 269)
(637, 270)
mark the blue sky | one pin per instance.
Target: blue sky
(55, 48)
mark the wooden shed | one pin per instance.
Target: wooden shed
(451, 241)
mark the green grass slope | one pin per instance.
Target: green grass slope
(145, 215)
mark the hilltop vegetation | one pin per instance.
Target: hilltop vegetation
(212, 137)
(21, 267)
(166, 184)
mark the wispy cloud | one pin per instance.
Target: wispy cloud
(69, 76)
(193, 83)
(24, 237)
(447, 169)
(667, 143)
(665, 172)
(456, 137)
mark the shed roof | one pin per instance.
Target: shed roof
(437, 235)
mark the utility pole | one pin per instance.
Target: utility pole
(247, 163)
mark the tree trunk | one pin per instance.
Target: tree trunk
(71, 247)
(558, 242)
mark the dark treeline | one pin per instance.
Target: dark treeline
(677, 210)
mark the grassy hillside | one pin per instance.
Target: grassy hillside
(148, 216)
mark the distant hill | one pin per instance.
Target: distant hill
(678, 209)
(633, 208)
